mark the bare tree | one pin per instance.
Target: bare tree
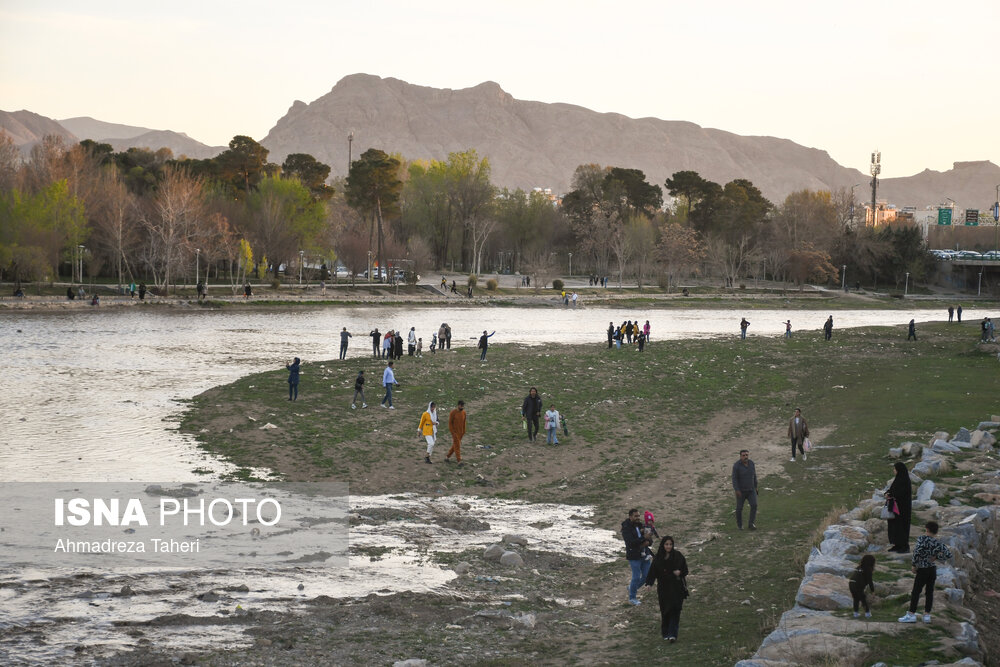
(622, 247)
(541, 267)
(732, 257)
(641, 237)
(177, 211)
(680, 250)
(113, 221)
(352, 251)
(480, 228)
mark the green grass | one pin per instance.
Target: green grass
(635, 419)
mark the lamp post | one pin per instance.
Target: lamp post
(571, 265)
(843, 277)
(80, 272)
(369, 266)
(906, 285)
(979, 290)
(302, 254)
(197, 264)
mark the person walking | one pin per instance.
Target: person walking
(552, 425)
(442, 335)
(293, 379)
(447, 335)
(788, 328)
(574, 298)
(958, 311)
(202, 291)
(142, 295)
(388, 381)
(860, 579)
(798, 431)
(828, 328)
(900, 492)
(344, 335)
(428, 428)
(744, 323)
(646, 330)
(611, 334)
(912, 331)
(669, 570)
(376, 336)
(636, 545)
(434, 343)
(745, 486)
(411, 341)
(456, 425)
(642, 341)
(628, 332)
(359, 390)
(927, 550)
(247, 291)
(420, 347)
(951, 314)
(531, 408)
(484, 344)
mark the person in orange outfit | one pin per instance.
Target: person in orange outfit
(456, 424)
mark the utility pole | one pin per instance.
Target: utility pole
(350, 154)
(876, 169)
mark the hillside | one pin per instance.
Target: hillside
(534, 144)
(27, 128)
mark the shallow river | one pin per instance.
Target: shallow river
(93, 396)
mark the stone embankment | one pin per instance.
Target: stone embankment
(957, 484)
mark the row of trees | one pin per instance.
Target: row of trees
(143, 215)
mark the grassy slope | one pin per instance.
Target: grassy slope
(644, 432)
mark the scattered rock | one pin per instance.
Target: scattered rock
(516, 539)
(963, 435)
(210, 596)
(462, 568)
(511, 559)
(955, 595)
(967, 639)
(493, 552)
(411, 662)
(823, 591)
(266, 427)
(126, 592)
(925, 491)
(940, 446)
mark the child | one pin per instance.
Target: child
(434, 343)
(860, 578)
(650, 527)
(928, 549)
(551, 425)
(420, 347)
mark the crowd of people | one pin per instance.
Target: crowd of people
(628, 333)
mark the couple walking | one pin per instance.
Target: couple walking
(456, 425)
(667, 569)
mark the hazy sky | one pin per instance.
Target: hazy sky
(918, 80)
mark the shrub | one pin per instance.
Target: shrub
(473, 280)
(275, 284)
(492, 284)
(558, 284)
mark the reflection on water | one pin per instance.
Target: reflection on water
(89, 395)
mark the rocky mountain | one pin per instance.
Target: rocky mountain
(27, 128)
(534, 144)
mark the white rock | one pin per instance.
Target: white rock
(493, 552)
(926, 490)
(511, 559)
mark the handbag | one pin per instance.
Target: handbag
(889, 510)
(807, 445)
(684, 588)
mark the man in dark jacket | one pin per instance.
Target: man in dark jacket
(484, 344)
(635, 553)
(376, 342)
(530, 409)
(745, 486)
(611, 334)
(359, 390)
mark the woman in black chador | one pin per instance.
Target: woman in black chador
(901, 491)
(669, 570)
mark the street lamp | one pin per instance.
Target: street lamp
(906, 285)
(302, 254)
(197, 264)
(82, 248)
(571, 265)
(843, 277)
(369, 266)
(979, 290)
(350, 146)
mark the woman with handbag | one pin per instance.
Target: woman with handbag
(901, 494)
(669, 570)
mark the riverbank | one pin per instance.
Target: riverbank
(658, 430)
(771, 295)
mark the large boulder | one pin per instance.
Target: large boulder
(940, 435)
(942, 447)
(805, 647)
(926, 490)
(823, 591)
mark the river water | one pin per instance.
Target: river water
(94, 396)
